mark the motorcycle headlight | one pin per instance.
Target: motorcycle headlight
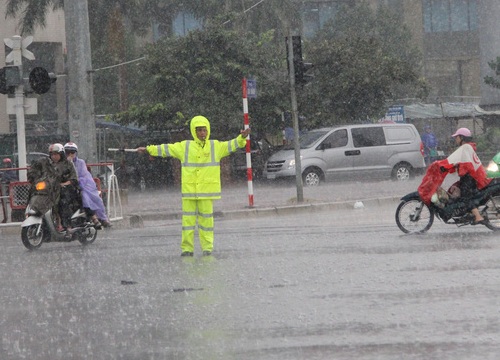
(492, 167)
(42, 185)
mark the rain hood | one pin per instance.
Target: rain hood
(199, 121)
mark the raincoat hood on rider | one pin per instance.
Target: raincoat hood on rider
(198, 121)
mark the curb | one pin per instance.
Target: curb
(276, 210)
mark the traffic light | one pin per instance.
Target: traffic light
(297, 57)
(10, 77)
(40, 80)
(300, 67)
(305, 77)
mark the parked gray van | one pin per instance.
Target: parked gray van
(369, 151)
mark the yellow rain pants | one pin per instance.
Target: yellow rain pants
(199, 211)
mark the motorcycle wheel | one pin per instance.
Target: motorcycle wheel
(413, 216)
(32, 240)
(87, 236)
(491, 211)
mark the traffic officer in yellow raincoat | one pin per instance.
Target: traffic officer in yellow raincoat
(200, 179)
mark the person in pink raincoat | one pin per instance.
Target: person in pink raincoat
(90, 195)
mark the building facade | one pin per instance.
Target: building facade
(457, 39)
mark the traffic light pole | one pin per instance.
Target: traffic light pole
(12, 83)
(295, 119)
(19, 96)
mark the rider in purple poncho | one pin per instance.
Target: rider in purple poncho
(90, 195)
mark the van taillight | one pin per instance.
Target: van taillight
(422, 148)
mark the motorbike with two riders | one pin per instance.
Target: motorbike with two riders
(40, 224)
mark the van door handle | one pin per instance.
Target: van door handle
(352, 152)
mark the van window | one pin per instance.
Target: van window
(369, 136)
(336, 139)
(399, 135)
(308, 139)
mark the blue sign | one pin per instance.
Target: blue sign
(251, 88)
(395, 114)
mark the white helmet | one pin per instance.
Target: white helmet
(70, 146)
(56, 148)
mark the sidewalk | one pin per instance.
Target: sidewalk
(268, 197)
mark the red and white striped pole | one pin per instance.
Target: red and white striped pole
(248, 149)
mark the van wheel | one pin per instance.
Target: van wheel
(401, 172)
(312, 177)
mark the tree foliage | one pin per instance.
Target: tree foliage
(33, 13)
(202, 73)
(112, 43)
(490, 80)
(361, 59)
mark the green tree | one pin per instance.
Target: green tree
(362, 58)
(33, 13)
(202, 73)
(490, 80)
(114, 25)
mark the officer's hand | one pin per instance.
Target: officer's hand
(141, 149)
(246, 132)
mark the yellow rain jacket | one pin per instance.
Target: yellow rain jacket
(200, 160)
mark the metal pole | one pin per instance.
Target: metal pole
(99, 144)
(19, 95)
(79, 68)
(248, 147)
(104, 146)
(295, 118)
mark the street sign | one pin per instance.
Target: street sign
(25, 52)
(16, 43)
(251, 88)
(30, 106)
(395, 114)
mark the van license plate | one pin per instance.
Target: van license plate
(271, 176)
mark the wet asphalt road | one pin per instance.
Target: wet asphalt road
(343, 284)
